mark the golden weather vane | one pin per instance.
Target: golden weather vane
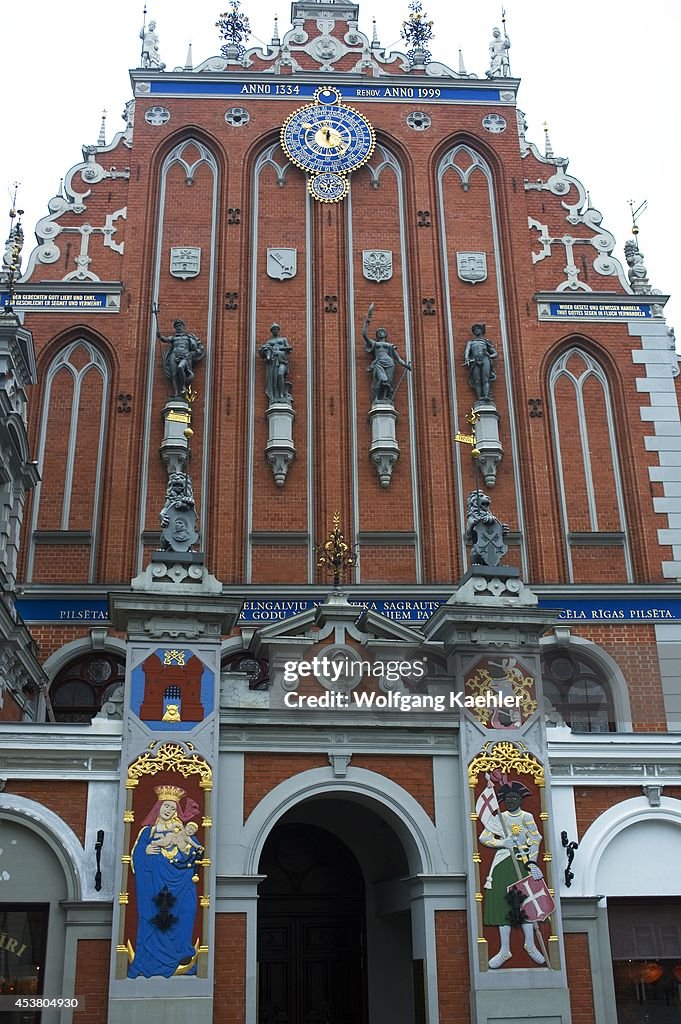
(335, 557)
(472, 418)
(635, 214)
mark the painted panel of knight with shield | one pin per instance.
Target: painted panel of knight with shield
(514, 896)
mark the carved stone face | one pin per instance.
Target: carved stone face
(381, 334)
(167, 810)
(496, 33)
(513, 801)
(275, 328)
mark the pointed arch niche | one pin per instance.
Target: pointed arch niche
(280, 520)
(187, 192)
(377, 218)
(71, 455)
(590, 487)
(469, 217)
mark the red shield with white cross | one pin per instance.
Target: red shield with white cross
(538, 903)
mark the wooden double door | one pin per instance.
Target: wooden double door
(310, 931)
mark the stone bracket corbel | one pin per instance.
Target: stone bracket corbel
(487, 439)
(384, 450)
(280, 451)
(175, 445)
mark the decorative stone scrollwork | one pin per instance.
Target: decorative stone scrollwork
(578, 212)
(157, 116)
(377, 264)
(419, 120)
(237, 117)
(494, 123)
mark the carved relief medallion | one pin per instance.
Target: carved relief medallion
(282, 264)
(472, 266)
(185, 261)
(377, 264)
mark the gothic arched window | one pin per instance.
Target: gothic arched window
(71, 447)
(590, 485)
(80, 689)
(578, 691)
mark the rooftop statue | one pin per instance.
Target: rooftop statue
(637, 273)
(499, 65)
(151, 58)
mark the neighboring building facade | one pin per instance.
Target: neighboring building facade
(185, 834)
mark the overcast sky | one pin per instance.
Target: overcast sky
(598, 71)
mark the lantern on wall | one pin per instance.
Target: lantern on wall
(676, 971)
(651, 972)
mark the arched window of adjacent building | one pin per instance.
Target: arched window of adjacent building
(71, 448)
(578, 691)
(589, 478)
(257, 669)
(81, 687)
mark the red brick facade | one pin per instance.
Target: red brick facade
(465, 216)
(67, 799)
(579, 977)
(230, 969)
(92, 981)
(453, 972)
(573, 486)
(592, 802)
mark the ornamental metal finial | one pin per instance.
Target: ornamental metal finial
(548, 148)
(235, 28)
(417, 32)
(101, 141)
(11, 261)
(336, 557)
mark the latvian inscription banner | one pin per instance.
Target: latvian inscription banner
(261, 610)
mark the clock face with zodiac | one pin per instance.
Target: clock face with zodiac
(329, 140)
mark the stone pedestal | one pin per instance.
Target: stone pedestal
(384, 450)
(488, 443)
(280, 451)
(490, 630)
(174, 618)
(175, 446)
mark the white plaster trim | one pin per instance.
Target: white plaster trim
(102, 813)
(390, 802)
(76, 648)
(61, 839)
(658, 357)
(606, 827)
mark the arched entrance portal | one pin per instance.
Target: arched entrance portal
(311, 935)
(334, 929)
